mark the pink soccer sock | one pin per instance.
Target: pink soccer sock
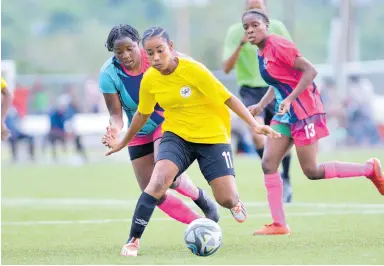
(176, 209)
(274, 185)
(187, 188)
(345, 170)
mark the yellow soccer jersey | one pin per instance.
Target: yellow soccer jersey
(193, 102)
(3, 83)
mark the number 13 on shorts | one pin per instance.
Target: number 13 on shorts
(228, 158)
(310, 131)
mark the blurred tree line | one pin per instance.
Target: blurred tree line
(68, 36)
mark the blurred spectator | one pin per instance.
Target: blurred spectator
(361, 126)
(61, 124)
(40, 100)
(331, 100)
(57, 132)
(334, 108)
(20, 99)
(69, 98)
(93, 96)
(17, 135)
(73, 108)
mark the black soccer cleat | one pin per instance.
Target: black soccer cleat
(208, 206)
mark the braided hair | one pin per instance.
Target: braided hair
(120, 31)
(154, 32)
(259, 12)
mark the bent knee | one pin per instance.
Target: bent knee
(312, 173)
(159, 183)
(269, 166)
(229, 201)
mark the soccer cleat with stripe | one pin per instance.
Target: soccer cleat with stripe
(377, 176)
(239, 212)
(131, 249)
(273, 229)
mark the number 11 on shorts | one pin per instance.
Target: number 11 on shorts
(227, 157)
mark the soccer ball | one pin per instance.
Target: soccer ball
(203, 237)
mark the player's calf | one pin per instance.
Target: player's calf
(225, 192)
(208, 206)
(184, 185)
(177, 209)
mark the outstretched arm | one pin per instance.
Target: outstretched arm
(144, 111)
(138, 121)
(239, 108)
(309, 74)
(113, 103)
(256, 109)
(268, 97)
(230, 62)
(210, 86)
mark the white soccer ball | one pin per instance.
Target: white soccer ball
(203, 237)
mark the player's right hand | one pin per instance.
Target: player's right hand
(110, 141)
(114, 149)
(112, 131)
(114, 144)
(267, 131)
(255, 109)
(244, 39)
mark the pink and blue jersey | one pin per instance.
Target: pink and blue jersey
(115, 78)
(276, 63)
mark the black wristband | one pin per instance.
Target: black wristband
(242, 43)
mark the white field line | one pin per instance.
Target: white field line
(22, 202)
(261, 215)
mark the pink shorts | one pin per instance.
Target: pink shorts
(304, 132)
(141, 140)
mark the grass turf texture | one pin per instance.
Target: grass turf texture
(81, 215)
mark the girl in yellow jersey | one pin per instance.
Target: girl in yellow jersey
(196, 127)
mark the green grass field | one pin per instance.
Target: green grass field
(81, 215)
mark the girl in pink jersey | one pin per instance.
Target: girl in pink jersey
(300, 118)
(119, 81)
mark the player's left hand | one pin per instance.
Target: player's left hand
(267, 131)
(284, 107)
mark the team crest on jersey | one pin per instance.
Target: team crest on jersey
(185, 92)
(265, 62)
